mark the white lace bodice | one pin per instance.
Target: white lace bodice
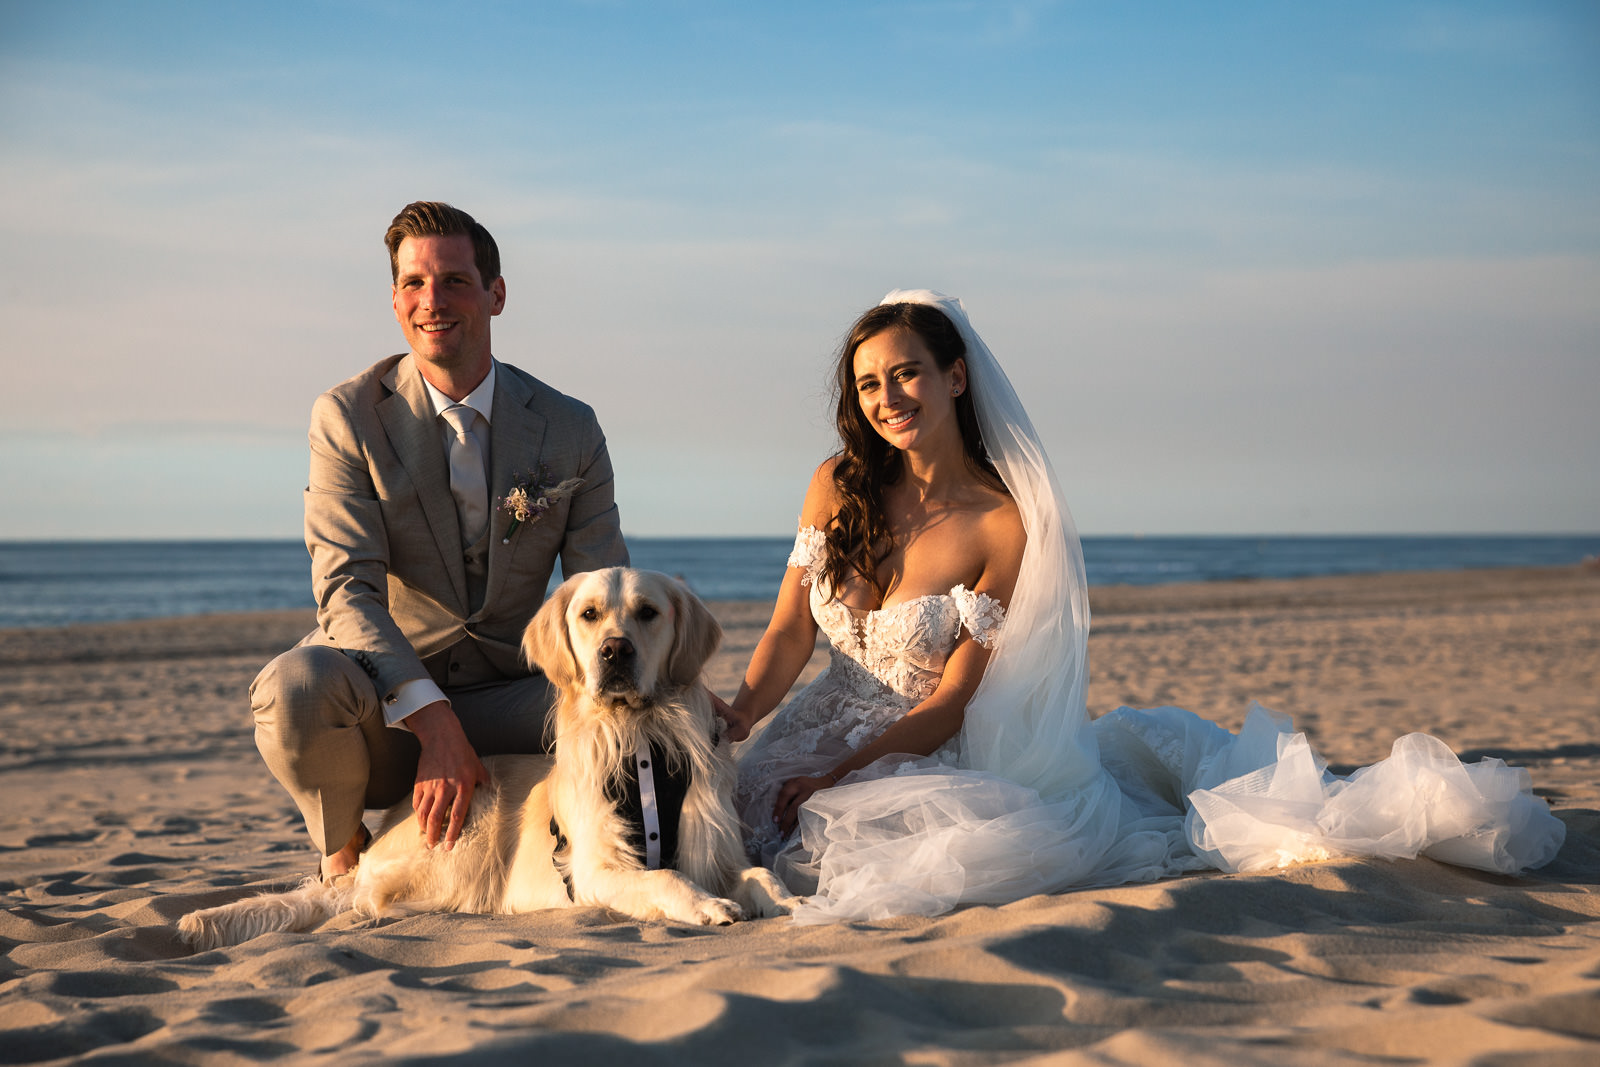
(883, 663)
(903, 646)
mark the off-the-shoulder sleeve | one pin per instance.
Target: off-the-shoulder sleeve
(982, 615)
(808, 552)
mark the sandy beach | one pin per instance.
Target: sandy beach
(133, 794)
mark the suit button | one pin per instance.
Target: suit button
(454, 667)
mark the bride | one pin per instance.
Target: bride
(946, 755)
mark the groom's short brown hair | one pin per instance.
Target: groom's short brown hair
(434, 218)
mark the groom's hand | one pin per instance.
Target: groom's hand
(448, 773)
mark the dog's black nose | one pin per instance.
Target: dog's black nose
(616, 648)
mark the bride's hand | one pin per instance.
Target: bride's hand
(795, 792)
(738, 724)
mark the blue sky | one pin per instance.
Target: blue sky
(1256, 268)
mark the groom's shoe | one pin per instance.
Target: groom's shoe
(331, 868)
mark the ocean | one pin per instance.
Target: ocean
(57, 583)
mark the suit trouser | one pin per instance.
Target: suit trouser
(320, 728)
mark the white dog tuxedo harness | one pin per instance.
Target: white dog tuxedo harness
(650, 798)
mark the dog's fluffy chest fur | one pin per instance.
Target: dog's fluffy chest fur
(647, 795)
(656, 763)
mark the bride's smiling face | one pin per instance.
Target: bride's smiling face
(906, 398)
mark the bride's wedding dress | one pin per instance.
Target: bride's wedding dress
(1031, 796)
(1179, 793)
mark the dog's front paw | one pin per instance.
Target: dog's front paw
(716, 911)
(772, 909)
(763, 895)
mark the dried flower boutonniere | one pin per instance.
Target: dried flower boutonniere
(532, 494)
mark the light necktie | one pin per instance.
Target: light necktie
(468, 483)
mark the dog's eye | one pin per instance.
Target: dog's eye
(589, 615)
(647, 612)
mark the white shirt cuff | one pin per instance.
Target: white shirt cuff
(408, 697)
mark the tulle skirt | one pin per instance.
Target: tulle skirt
(1174, 793)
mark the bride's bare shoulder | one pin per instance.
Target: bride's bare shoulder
(822, 496)
(1004, 538)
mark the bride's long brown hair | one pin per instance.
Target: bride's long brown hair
(858, 535)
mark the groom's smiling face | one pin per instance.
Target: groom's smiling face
(442, 304)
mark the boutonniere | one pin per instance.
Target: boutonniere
(532, 494)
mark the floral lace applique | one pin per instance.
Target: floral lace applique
(809, 553)
(863, 732)
(982, 615)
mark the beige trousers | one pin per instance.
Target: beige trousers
(320, 729)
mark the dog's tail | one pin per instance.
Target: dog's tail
(297, 909)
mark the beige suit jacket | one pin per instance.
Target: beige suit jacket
(387, 560)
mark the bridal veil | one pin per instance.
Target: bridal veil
(1029, 807)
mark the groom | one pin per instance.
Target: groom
(423, 584)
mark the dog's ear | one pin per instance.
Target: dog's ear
(546, 644)
(695, 637)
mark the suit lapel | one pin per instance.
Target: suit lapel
(517, 436)
(413, 431)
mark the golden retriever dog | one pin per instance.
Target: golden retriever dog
(634, 812)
